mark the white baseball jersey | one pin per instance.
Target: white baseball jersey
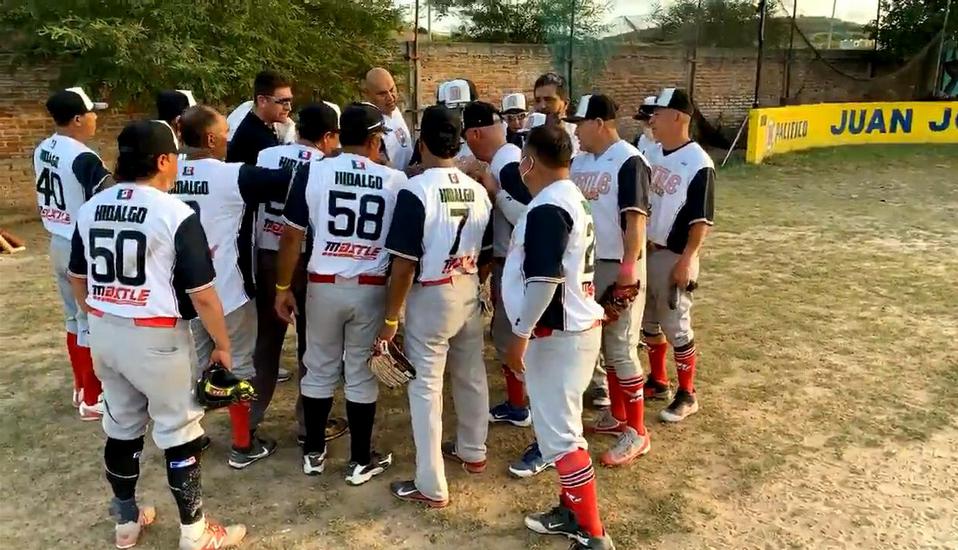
(270, 217)
(645, 144)
(68, 173)
(225, 195)
(682, 194)
(570, 129)
(348, 202)
(554, 242)
(398, 142)
(142, 253)
(442, 222)
(505, 169)
(615, 182)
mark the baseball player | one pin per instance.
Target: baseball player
(69, 173)
(170, 104)
(514, 113)
(272, 103)
(683, 205)
(614, 177)
(439, 241)
(548, 295)
(225, 196)
(645, 137)
(347, 202)
(318, 129)
(552, 99)
(379, 89)
(140, 265)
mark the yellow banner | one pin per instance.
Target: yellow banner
(782, 129)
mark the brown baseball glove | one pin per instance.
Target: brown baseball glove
(617, 299)
(389, 364)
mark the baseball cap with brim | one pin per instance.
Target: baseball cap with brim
(534, 120)
(171, 103)
(441, 128)
(71, 102)
(147, 138)
(454, 93)
(592, 107)
(646, 109)
(479, 114)
(513, 104)
(319, 118)
(674, 98)
(359, 121)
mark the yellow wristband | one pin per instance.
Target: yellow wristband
(282, 287)
(391, 322)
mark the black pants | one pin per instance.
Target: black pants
(271, 331)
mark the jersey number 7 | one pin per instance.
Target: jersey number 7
(463, 215)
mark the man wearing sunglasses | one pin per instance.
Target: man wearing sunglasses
(514, 114)
(272, 103)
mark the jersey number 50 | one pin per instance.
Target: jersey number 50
(368, 224)
(123, 256)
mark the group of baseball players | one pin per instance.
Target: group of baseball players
(214, 233)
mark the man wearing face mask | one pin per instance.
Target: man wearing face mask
(552, 99)
(225, 196)
(549, 296)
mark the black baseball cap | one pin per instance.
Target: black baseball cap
(479, 114)
(674, 98)
(66, 104)
(591, 107)
(646, 109)
(316, 119)
(359, 121)
(171, 104)
(147, 138)
(441, 129)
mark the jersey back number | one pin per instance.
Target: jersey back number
(361, 218)
(118, 256)
(50, 186)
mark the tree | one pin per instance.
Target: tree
(721, 23)
(907, 26)
(213, 47)
(521, 21)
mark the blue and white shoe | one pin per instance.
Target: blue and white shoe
(506, 412)
(531, 463)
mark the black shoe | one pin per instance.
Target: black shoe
(259, 449)
(683, 406)
(593, 543)
(283, 375)
(406, 490)
(314, 463)
(557, 521)
(657, 391)
(357, 474)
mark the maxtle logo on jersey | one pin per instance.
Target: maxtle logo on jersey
(593, 184)
(54, 215)
(120, 295)
(273, 227)
(352, 251)
(462, 264)
(664, 182)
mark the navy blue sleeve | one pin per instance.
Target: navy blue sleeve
(700, 200)
(633, 183)
(193, 265)
(406, 229)
(295, 211)
(511, 182)
(90, 172)
(78, 265)
(258, 185)
(547, 236)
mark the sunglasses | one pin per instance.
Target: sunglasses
(284, 101)
(517, 117)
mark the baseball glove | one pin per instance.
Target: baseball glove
(389, 364)
(617, 299)
(218, 387)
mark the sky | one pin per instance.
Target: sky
(860, 11)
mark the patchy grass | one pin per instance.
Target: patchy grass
(826, 323)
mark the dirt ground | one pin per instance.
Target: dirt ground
(826, 322)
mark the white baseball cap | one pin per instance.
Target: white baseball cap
(513, 103)
(334, 107)
(454, 93)
(534, 120)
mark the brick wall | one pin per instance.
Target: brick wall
(723, 90)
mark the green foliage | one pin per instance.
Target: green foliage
(521, 21)
(906, 26)
(214, 47)
(589, 53)
(721, 24)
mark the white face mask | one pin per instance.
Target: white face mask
(522, 175)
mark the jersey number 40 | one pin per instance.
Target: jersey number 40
(349, 219)
(50, 186)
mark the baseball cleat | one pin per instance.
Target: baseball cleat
(314, 463)
(449, 451)
(507, 413)
(406, 490)
(259, 449)
(89, 413)
(531, 463)
(657, 390)
(600, 397)
(684, 405)
(607, 424)
(77, 397)
(357, 474)
(214, 537)
(557, 521)
(283, 375)
(128, 534)
(594, 543)
(629, 447)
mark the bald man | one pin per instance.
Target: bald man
(379, 88)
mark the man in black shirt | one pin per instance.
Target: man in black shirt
(272, 103)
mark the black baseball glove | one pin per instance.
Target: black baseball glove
(616, 299)
(389, 364)
(218, 387)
